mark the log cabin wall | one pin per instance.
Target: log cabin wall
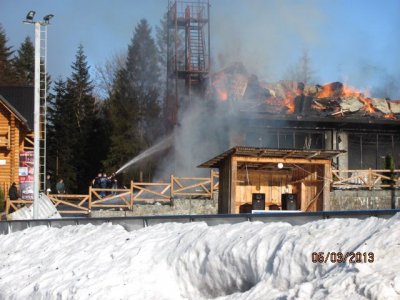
(271, 183)
(12, 135)
(5, 149)
(308, 182)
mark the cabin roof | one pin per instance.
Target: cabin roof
(21, 99)
(14, 111)
(270, 153)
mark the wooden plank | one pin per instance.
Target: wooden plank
(150, 183)
(282, 160)
(233, 178)
(95, 203)
(86, 212)
(150, 191)
(112, 205)
(68, 196)
(176, 180)
(192, 186)
(58, 201)
(166, 189)
(327, 187)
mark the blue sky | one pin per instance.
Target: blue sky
(354, 41)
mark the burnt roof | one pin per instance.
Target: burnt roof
(21, 99)
(271, 153)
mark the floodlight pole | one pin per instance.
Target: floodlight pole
(36, 128)
(36, 115)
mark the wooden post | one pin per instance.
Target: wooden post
(327, 187)
(172, 187)
(7, 203)
(233, 179)
(211, 183)
(90, 197)
(131, 196)
(370, 178)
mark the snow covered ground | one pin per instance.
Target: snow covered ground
(196, 261)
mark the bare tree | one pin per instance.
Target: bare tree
(301, 71)
(105, 75)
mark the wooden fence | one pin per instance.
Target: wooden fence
(197, 187)
(70, 204)
(110, 198)
(365, 179)
(139, 192)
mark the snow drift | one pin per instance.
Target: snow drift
(195, 261)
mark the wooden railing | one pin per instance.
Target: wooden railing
(70, 204)
(194, 186)
(365, 179)
(139, 192)
(201, 187)
(110, 198)
(151, 192)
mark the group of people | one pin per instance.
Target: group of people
(102, 181)
(60, 186)
(14, 194)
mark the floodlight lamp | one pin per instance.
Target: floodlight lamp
(47, 18)
(30, 15)
(280, 165)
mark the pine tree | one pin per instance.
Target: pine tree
(83, 118)
(61, 136)
(76, 134)
(143, 74)
(25, 62)
(133, 107)
(7, 72)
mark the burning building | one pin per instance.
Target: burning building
(288, 114)
(334, 122)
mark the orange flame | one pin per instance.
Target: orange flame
(222, 94)
(289, 101)
(220, 88)
(390, 116)
(368, 107)
(331, 91)
(327, 91)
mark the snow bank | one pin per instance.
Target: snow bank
(195, 261)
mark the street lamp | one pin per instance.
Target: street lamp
(36, 128)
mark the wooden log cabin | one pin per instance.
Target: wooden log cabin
(16, 134)
(248, 171)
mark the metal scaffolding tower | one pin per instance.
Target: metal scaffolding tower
(188, 58)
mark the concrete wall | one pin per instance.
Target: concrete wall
(362, 199)
(178, 207)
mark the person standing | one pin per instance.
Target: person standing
(114, 182)
(96, 181)
(48, 184)
(60, 186)
(104, 184)
(13, 192)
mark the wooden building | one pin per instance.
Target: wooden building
(244, 171)
(16, 134)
